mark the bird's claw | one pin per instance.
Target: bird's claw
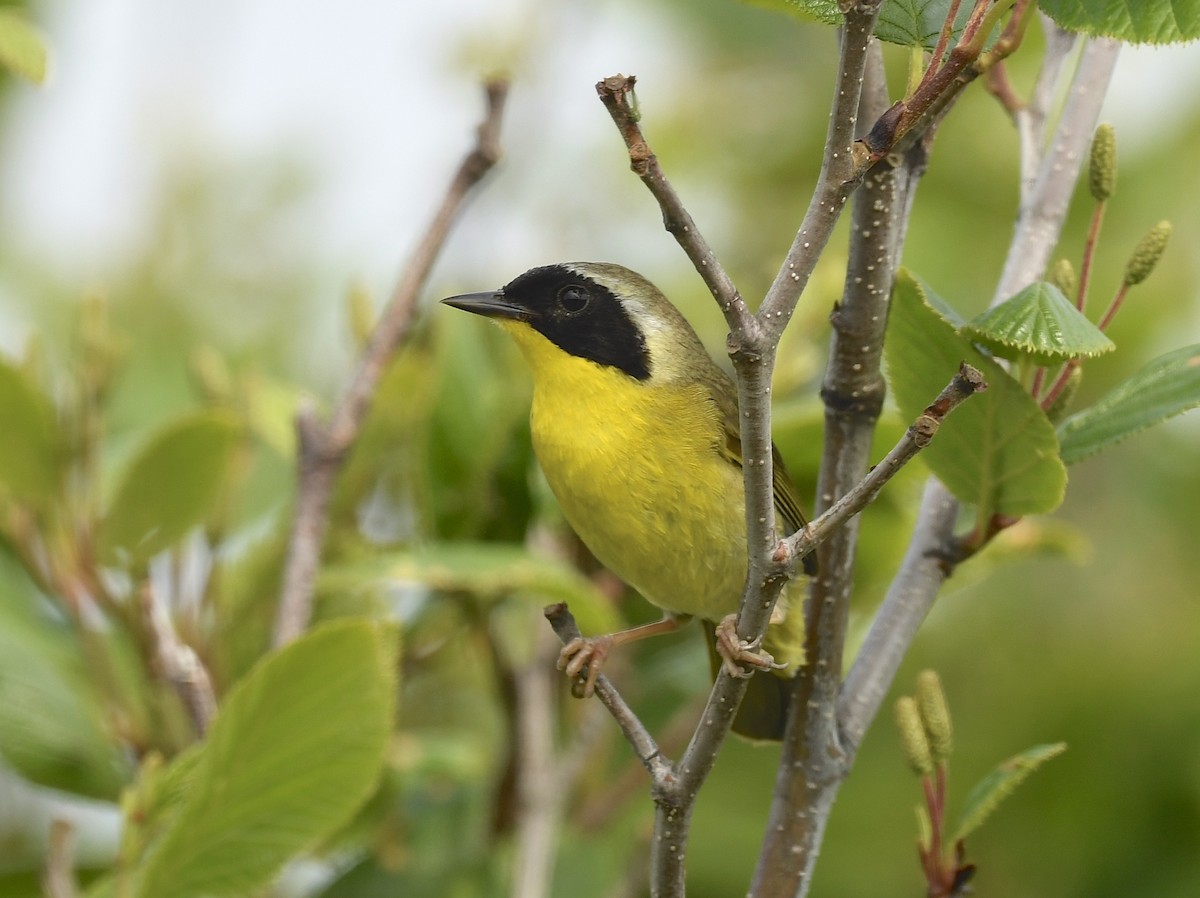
(582, 659)
(741, 657)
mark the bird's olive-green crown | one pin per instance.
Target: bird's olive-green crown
(610, 315)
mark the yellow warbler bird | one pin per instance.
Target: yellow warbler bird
(636, 430)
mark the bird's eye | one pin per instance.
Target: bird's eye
(573, 298)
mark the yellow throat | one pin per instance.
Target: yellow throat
(638, 471)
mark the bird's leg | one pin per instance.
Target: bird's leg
(736, 652)
(589, 653)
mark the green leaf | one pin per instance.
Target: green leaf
(1000, 783)
(487, 571)
(31, 450)
(22, 49)
(997, 450)
(1137, 21)
(1041, 323)
(171, 486)
(825, 11)
(297, 747)
(918, 23)
(51, 729)
(910, 23)
(271, 412)
(1168, 386)
(477, 453)
(104, 887)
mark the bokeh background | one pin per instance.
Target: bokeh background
(223, 175)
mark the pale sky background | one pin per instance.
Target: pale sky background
(377, 99)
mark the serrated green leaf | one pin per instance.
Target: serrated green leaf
(997, 450)
(1137, 21)
(171, 486)
(295, 749)
(1000, 783)
(825, 11)
(1041, 323)
(1168, 386)
(918, 23)
(31, 451)
(487, 571)
(910, 23)
(22, 48)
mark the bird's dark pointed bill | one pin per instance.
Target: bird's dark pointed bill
(491, 303)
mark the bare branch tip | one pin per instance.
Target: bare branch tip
(971, 378)
(496, 95)
(615, 85)
(562, 621)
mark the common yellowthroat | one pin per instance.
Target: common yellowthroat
(636, 430)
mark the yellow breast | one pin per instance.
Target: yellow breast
(637, 470)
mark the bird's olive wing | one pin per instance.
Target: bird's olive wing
(787, 502)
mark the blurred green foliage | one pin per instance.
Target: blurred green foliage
(153, 445)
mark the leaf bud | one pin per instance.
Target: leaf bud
(1102, 170)
(935, 715)
(1147, 253)
(912, 736)
(1063, 276)
(210, 374)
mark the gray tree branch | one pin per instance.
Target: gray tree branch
(177, 662)
(853, 392)
(933, 549)
(323, 447)
(58, 878)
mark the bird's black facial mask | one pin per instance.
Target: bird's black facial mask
(579, 316)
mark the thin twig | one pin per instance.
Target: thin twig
(604, 806)
(616, 93)
(323, 447)
(639, 737)
(1089, 251)
(944, 38)
(58, 879)
(1045, 199)
(999, 86)
(920, 433)
(177, 662)
(540, 794)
